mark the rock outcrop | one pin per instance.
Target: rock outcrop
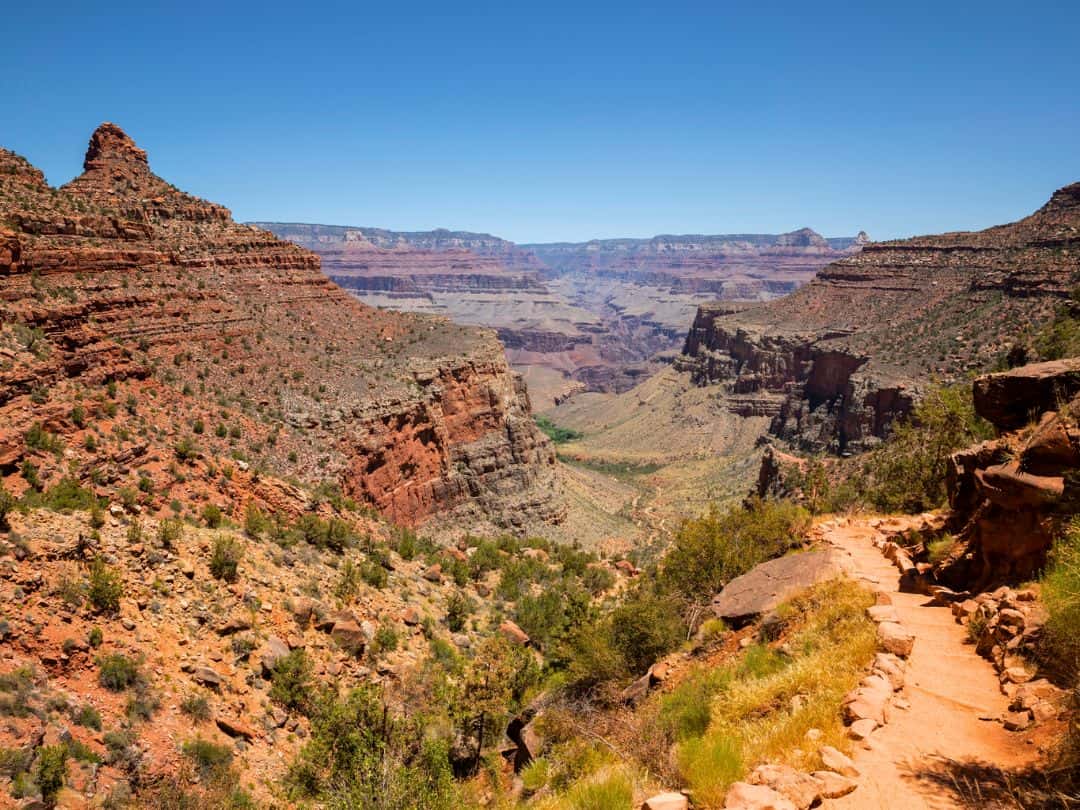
(151, 337)
(836, 362)
(1009, 496)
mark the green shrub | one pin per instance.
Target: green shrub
(186, 450)
(711, 550)
(907, 473)
(256, 523)
(170, 532)
(349, 579)
(225, 559)
(196, 707)
(374, 574)
(291, 681)
(117, 672)
(458, 608)
(87, 716)
(105, 587)
(385, 640)
(95, 638)
(1061, 592)
(207, 756)
(37, 438)
(643, 628)
(211, 515)
(557, 434)
(66, 495)
(51, 771)
(7, 504)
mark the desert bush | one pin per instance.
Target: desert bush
(374, 574)
(1061, 592)
(643, 628)
(197, 707)
(711, 550)
(66, 495)
(87, 716)
(170, 532)
(291, 682)
(256, 523)
(907, 473)
(211, 515)
(117, 672)
(385, 640)
(104, 588)
(51, 771)
(359, 755)
(458, 608)
(225, 559)
(207, 756)
(37, 438)
(7, 503)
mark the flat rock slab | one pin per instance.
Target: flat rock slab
(767, 585)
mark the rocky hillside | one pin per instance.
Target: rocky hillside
(152, 346)
(835, 362)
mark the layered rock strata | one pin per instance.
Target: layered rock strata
(836, 362)
(143, 329)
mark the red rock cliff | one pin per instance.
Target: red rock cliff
(136, 318)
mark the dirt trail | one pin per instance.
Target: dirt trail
(948, 690)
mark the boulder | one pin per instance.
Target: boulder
(235, 728)
(882, 613)
(834, 785)
(350, 636)
(1007, 399)
(767, 585)
(744, 796)
(273, 650)
(862, 729)
(1009, 487)
(800, 788)
(207, 677)
(666, 801)
(514, 633)
(838, 761)
(890, 667)
(894, 639)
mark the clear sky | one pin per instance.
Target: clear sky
(548, 120)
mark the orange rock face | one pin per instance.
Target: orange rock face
(154, 338)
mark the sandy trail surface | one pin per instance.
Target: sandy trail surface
(947, 710)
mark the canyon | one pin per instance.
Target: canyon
(833, 364)
(595, 316)
(136, 317)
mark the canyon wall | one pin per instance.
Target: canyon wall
(598, 316)
(154, 338)
(836, 362)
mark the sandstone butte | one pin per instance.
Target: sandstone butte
(133, 311)
(832, 364)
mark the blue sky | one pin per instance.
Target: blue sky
(550, 121)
